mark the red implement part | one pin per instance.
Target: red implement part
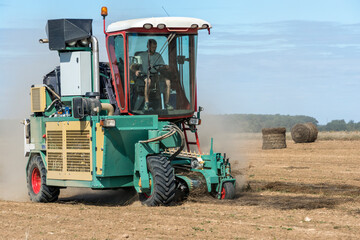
(36, 180)
(147, 196)
(223, 193)
(187, 141)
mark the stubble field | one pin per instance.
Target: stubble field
(307, 191)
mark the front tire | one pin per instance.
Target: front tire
(36, 182)
(227, 191)
(162, 182)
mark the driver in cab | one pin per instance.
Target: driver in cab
(152, 62)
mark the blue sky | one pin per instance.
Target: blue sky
(264, 57)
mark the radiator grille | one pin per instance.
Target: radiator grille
(69, 150)
(54, 139)
(35, 99)
(78, 162)
(76, 139)
(55, 161)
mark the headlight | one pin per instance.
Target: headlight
(194, 121)
(148, 26)
(197, 163)
(108, 123)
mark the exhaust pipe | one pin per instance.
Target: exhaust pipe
(96, 71)
(108, 107)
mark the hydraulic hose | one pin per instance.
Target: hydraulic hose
(172, 129)
(52, 91)
(166, 135)
(178, 130)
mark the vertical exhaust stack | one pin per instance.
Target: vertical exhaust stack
(96, 73)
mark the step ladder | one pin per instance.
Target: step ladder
(185, 129)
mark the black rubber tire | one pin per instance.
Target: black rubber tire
(163, 182)
(228, 191)
(46, 193)
(182, 190)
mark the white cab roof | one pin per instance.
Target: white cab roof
(170, 22)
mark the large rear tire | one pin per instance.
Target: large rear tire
(227, 191)
(36, 182)
(162, 182)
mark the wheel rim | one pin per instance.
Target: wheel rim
(223, 193)
(36, 180)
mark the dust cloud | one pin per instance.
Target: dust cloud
(12, 161)
(224, 141)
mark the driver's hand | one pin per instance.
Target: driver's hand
(137, 73)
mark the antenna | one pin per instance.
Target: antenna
(165, 11)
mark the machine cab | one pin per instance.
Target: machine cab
(153, 65)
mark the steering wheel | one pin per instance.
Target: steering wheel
(158, 67)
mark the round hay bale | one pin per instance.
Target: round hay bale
(304, 132)
(274, 138)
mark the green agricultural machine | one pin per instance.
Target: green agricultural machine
(125, 123)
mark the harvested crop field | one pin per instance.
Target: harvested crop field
(307, 191)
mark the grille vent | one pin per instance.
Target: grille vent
(38, 99)
(35, 98)
(78, 162)
(77, 139)
(55, 161)
(69, 150)
(54, 139)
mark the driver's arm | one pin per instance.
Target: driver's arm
(135, 68)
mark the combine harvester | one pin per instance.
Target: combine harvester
(107, 126)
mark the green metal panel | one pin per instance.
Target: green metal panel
(52, 109)
(170, 142)
(68, 183)
(37, 130)
(140, 171)
(67, 99)
(119, 143)
(78, 49)
(139, 122)
(100, 183)
(113, 182)
(119, 151)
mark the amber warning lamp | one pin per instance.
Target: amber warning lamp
(104, 12)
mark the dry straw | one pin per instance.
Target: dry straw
(304, 132)
(274, 138)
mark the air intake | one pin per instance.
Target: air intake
(38, 99)
(62, 31)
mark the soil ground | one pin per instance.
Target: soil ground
(305, 191)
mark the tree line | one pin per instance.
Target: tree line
(256, 122)
(340, 125)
